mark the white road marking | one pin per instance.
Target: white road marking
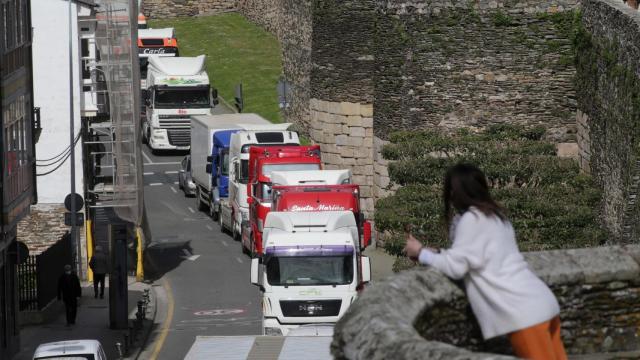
(148, 173)
(225, 243)
(190, 209)
(209, 227)
(174, 190)
(171, 172)
(239, 260)
(188, 255)
(175, 183)
(156, 184)
(146, 157)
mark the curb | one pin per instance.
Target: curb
(147, 330)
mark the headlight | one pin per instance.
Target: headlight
(271, 331)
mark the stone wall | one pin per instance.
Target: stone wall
(43, 227)
(608, 83)
(162, 9)
(421, 314)
(447, 65)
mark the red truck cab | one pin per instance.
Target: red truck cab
(263, 160)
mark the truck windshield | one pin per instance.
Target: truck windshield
(224, 167)
(309, 270)
(267, 169)
(184, 98)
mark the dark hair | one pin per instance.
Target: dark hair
(464, 186)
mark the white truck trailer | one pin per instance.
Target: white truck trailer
(210, 139)
(177, 88)
(236, 210)
(260, 347)
(311, 270)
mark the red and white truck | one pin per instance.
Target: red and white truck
(263, 161)
(323, 190)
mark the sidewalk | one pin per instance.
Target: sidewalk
(381, 263)
(92, 322)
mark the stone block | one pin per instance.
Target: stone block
(354, 120)
(366, 110)
(359, 179)
(569, 150)
(331, 159)
(329, 138)
(362, 157)
(348, 162)
(355, 141)
(605, 264)
(381, 169)
(314, 104)
(329, 149)
(342, 140)
(349, 108)
(334, 129)
(345, 129)
(333, 107)
(357, 131)
(365, 191)
(340, 119)
(368, 132)
(382, 181)
(346, 151)
(367, 122)
(368, 170)
(555, 267)
(357, 170)
(316, 135)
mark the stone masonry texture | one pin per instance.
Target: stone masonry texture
(421, 314)
(158, 9)
(608, 83)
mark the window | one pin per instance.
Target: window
(224, 166)
(269, 168)
(309, 270)
(243, 177)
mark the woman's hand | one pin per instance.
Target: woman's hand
(413, 247)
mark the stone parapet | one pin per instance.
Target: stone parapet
(161, 9)
(421, 314)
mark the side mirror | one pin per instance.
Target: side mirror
(366, 269)
(214, 97)
(255, 270)
(147, 101)
(208, 169)
(209, 158)
(366, 234)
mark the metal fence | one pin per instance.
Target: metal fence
(38, 275)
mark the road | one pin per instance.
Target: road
(202, 269)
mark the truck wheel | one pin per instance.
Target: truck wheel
(236, 235)
(213, 213)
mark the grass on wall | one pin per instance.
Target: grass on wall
(237, 51)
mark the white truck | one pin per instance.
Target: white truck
(177, 88)
(155, 42)
(235, 210)
(311, 270)
(210, 139)
(260, 347)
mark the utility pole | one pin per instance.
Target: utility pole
(74, 241)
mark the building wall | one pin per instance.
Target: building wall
(608, 83)
(421, 312)
(156, 9)
(51, 94)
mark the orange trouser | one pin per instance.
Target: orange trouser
(539, 342)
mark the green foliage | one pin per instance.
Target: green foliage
(502, 19)
(237, 51)
(549, 202)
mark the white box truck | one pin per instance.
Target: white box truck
(210, 140)
(311, 270)
(236, 210)
(177, 88)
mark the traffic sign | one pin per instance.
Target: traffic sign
(79, 219)
(75, 197)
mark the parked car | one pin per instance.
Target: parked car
(71, 349)
(185, 181)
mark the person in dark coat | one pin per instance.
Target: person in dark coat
(69, 291)
(98, 265)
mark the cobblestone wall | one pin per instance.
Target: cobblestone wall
(608, 83)
(159, 9)
(43, 227)
(421, 314)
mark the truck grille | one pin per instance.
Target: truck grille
(297, 308)
(179, 137)
(175, 124)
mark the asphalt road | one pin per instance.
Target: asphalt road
(203, 270)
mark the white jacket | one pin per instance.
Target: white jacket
(503, 292)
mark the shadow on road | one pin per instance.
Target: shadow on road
(160, 258)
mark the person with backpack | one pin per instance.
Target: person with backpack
(99, 266)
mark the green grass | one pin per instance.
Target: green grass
(237, 51)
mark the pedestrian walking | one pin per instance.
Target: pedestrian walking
(506, 297)
(69, 291)
(98, 265)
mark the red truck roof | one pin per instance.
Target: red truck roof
(316, 198)
(282, 154)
